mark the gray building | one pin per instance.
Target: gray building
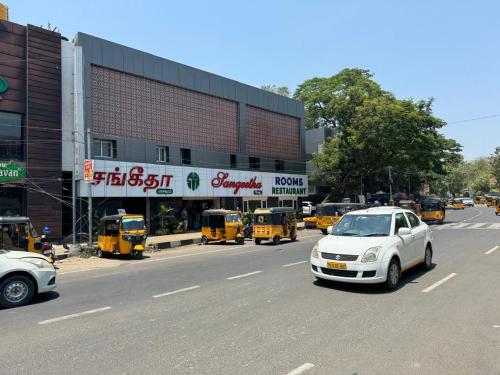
(166, 133)
(314, 141)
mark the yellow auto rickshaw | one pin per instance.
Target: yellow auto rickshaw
(477, 200)
(310, 222)
(121, 234)
(497, 207)
(221, 225)
(458, 204)
(432, 210)
(490, 202)
(18, 234)
(274, 223)
(329, 214)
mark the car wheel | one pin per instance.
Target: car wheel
(393, 274)
(204, 240)
(293, 238)
(257, 241)
(276, 240)
(427, 258)
(16, 291)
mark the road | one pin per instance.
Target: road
(224, 309)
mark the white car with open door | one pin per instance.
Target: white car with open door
(373, 246)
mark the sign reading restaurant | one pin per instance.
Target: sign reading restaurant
(125, 179)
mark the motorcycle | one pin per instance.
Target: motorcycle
(47, 248)
(248, 231)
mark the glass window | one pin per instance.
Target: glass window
(400, 222)
(232, 161)
(363, 226)
(186, 156)
(279, 165)
(233, 218)
(11, 136)
(105, 148)
(414, 222)
(162, 154)
(133, 224)
(254, 163)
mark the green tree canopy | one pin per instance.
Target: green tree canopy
(374, 131)
(280, 90)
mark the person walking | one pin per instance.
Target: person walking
(184, 218)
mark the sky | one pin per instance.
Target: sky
(445, 49)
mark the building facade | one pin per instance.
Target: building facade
(163, 134)
(30, 125)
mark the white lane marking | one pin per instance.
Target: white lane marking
(164, 259)
(473, 217)
(301, 369)
(494, 226)
(440, 282)
(66, 317)
(461, 225)
(496, 326)
(294, 264)
(474, 226)
(176, 291)
(244, 275)
(491, 250)
(245, 252)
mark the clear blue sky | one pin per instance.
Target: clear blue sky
(447, 49)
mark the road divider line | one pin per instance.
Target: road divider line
(176, 291)
(491, 250)
(301, 369)
(294, 264)
(244, 275)
(440, 282)
(66, 317)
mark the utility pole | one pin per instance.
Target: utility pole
(73, 193)
(89, 156)
(390, 184)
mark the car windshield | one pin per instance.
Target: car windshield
(133, 224)
(363, 226)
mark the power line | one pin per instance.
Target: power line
(474, 119)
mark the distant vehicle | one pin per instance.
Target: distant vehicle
(468, 202)
(458, 204)
(22, 275)
(308, 208)
(373, 246)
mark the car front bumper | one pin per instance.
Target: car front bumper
(46, 279)
(356, 272)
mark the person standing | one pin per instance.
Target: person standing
(184, 218)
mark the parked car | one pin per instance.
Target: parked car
(374, 245)
(468, 202)
(22, 275)
(308, 208)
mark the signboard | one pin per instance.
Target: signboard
(426, 188)
(493, 182)
(11, 172)
(88, 170)
(124, 179)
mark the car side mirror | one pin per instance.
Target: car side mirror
(329, 230)
(404, 231)
(37, 246)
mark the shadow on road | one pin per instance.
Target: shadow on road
(409, 277)
(45, 297)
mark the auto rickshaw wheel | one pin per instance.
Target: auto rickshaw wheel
(139, 255)
(240, 240)
(293, 238)
(276, 240)
(324, 231)
(257, 241)
(100, 253)
(204, 240)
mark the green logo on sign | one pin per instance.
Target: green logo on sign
(11, 172)
(193, 181)
(257, 192)
(164, 191)
(4, 86)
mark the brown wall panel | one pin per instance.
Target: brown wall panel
(44, 128)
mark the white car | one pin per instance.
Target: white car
(468, 202)
(308, 208)
(22, 275)
(373, 246)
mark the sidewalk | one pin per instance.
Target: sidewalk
(163, 242)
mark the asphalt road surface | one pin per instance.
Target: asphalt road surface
(228, 309)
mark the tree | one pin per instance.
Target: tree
(375, 130)
(495, 163)
(280, 90)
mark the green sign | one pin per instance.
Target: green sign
(11, 172)
(193, 181)
(4, 86)
(164, 191)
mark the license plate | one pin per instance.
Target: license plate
(336, 265)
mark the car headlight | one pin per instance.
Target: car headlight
(371, 254)
(39, 262)
(314, 252)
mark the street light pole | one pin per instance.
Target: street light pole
(390, 184)
(89, 156)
